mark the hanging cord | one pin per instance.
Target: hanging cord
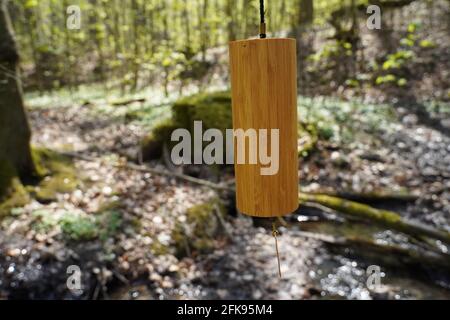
(262, 25)
(275, 234)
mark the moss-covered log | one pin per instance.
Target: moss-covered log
(378, 195)
(213, 109)
(152, 145)
(385, 218)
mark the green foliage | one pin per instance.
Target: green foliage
(129, 45)
(74, 225)
(44, 220)
(30, 4)
(398, 59)
(331, 49)
(412, 27)
(438, 107)
(339, 121)
(352, 83)
(111, 223)
(308, 136)
(402, 82)
(427, 44)
(385, 79)
(78, 225)
(395, 63)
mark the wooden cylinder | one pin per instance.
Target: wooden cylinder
(264, 96)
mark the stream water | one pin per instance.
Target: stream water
(245, 269)
(356, 271)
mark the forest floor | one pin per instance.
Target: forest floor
(131, 262)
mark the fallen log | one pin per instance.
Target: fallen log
(386, 218)
(396, 254)
(383, 195)
(127, 102)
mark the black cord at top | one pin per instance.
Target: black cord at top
(262, 25)
(261, 10)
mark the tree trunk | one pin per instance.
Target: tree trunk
(15, 131)
(304, 46)
(306, 15)
(135, 64)
(230, 25)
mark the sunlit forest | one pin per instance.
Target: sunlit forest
(92, 205)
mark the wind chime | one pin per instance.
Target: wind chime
(264, 96)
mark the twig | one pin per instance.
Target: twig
(143, 168)
(222, 221)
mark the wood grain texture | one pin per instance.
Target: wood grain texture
(264, 96)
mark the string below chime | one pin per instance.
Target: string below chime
(275, 234)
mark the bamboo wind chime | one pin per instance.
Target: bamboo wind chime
(264, 96)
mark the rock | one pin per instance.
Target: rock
(247, 277)
(297, 291)
(200, 230)
(222, 293)
(429, 171)
(14, 252)
(257, 294)
(410, 119)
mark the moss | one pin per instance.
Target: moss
(213, 109)
(308, 136)
(110, 223)
(12, 192)
(54, 173)
(39, 155)
(152, 144)
(352, 208)
(199, 232)
(385, 218)
(57, 172)
(159, 249)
